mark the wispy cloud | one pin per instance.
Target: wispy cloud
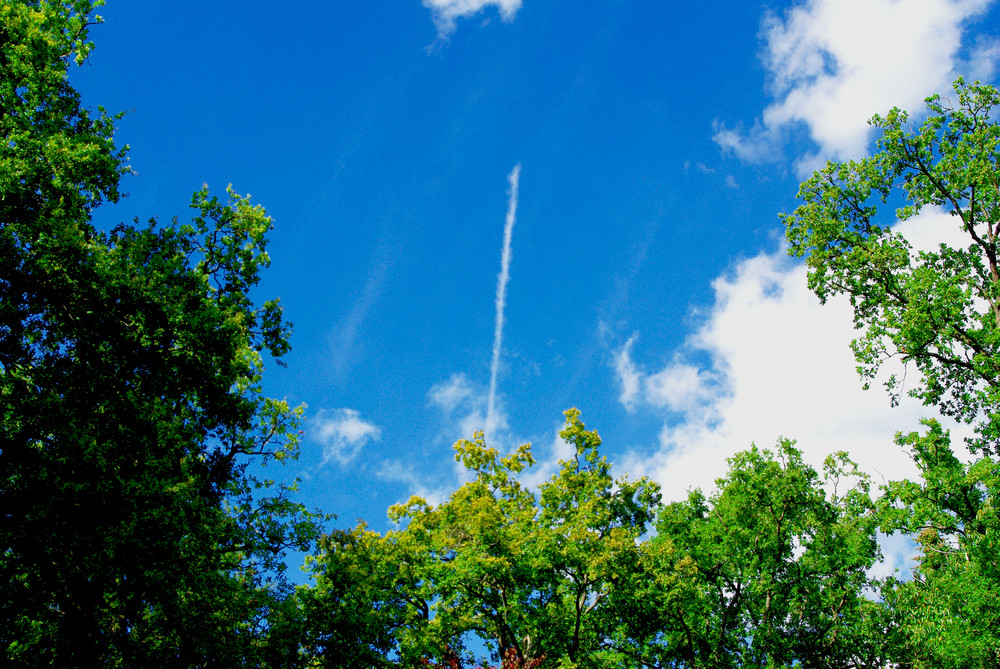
(701, 167)
(396, 471)
(343, 338)
(832, 64)
(451, 394)
(342, 434)
(501, 299)
(446, 12)
(463, 405)
(678, 387)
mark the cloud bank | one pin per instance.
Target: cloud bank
(771, 362)
(832, 64)
(779, 365)
(446, 12)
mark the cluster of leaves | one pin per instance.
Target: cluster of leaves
(131, 532)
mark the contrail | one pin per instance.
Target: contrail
(501, 301)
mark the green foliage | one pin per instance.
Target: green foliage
(130, 400)
(361, 601)
(530, 577)
(938, 309)
(948, 613)
(770, 571)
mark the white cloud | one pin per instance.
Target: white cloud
(446, 12)
(677, 387)
(759, 144)
(343, 340)
(834, 63)
(778, 364)
(449, 395)
(342, 433)
(628, 376)
(784, 368)
(701, 167)
(983, 60)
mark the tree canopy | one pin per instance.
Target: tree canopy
(768, 571)
(936, 309)
(531, 576)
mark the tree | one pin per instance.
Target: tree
(131, 532)
(937, 309)
(769, 571)
(532, 577)
(363, 597)
(948, 614)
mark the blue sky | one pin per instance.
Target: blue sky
(646, 284)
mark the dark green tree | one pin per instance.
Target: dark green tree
(947, 611)
(366, 596)
(131, 532)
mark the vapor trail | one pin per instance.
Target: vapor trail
(501, 300)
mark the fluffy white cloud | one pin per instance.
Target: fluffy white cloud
(446, 12)
(779, 364)
(342, 433)
(834, 63)
(677, 387)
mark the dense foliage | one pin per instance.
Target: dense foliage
(531, 576)
(770, 571)
(130, 534)
(133, 532)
